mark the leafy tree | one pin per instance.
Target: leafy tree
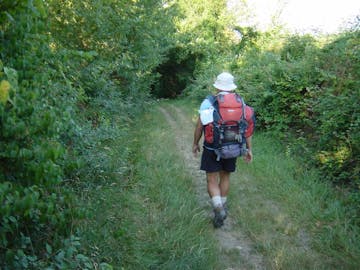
(309, 91)
(337, 111)
(36, 208)
(66, 67)
(203, 42)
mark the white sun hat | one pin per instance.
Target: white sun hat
(225, 82)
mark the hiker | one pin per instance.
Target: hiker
(228, 124)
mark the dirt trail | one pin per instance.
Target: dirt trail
(234, 245)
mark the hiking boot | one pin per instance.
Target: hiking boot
(219, 217)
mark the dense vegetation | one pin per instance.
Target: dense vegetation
(71, 71)
(309, 89)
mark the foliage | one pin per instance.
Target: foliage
(337, 111)
(36, 208)
(126, 35)
(148, 219)
(203, 44)
(306, 223)
(70, 71)
(310, 91)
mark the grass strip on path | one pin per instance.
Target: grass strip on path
(149, 219)
(295, 220)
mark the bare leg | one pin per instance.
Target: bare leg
(215, 195)
(213, 184)
(224, 183)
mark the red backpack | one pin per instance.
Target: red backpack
(226, 134)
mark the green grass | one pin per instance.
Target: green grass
(149, 218)
(295, 219)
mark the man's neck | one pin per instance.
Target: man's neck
(224, 92)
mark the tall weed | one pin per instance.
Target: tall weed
(296, 219)
(148, 217)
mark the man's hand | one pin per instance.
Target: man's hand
(195, 149)
(197, 136)
(248, 156)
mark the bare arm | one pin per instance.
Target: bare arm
(197, 136)
(248, 156)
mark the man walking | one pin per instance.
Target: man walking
(223, 142)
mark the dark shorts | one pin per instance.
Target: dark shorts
(210, 164)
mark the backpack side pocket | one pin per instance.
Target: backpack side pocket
(209, 133)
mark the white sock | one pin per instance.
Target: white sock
(216, 201)
(223, 200)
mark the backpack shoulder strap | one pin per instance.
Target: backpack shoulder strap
(214, 102)
(212, 99)
(243, 106)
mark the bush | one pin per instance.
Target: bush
(69, 72)
(310, 92)
(337, 112)
(35, 114)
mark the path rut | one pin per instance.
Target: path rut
(234, 245)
